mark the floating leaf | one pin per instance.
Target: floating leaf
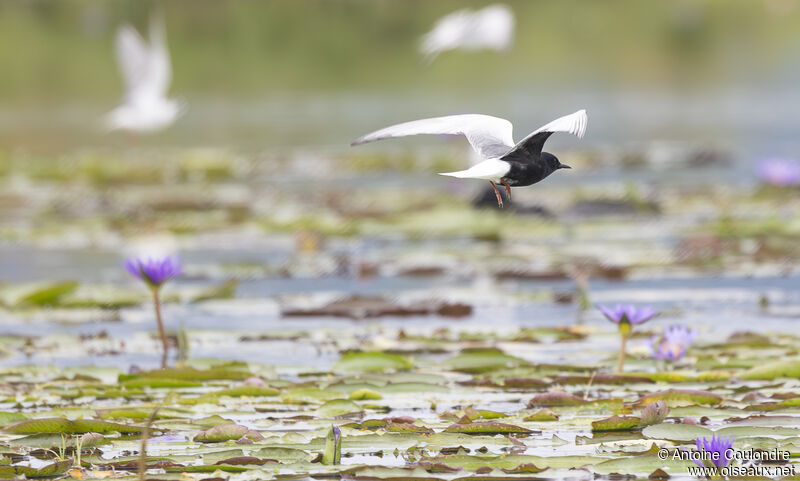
(242, 391)
(489, 427)
(616, 423)
(555, 398)
(338, 407)
(365, 394)
(528, 468)
(65, 426)
(50, 470)
(38, 294)
(372, 361)
(190, 374)
(7, 418)
(682, 396)
(542, 415)
(774, 370)
(675, 432)
(221, 433)
(482, 360)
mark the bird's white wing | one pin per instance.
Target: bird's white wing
(574, 124)
(159, 70)
(448, 33)
(132, 57)
(490, 136)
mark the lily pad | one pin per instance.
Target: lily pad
(676, 432)
(555, 398)
(774, 370)
(682, 397)
(489, 427)
(616, 423)
(482, 360)
(372, 361)
(50, 470)
(65, 426)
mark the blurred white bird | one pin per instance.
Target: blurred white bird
(147, 73)
(490, 28)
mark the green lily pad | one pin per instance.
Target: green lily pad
(242, 391)
(774, 370)
(372, 361)
(50, 470)
(482, 360)
(221, 433)
(555, 398)
(616, 423)
(338, 407)
(190, 374)
(365, 394)
(65, 426)
(7, 418)
(489, 427)
(676, 432)
(682, 397)
(542, 415)
(38, 294)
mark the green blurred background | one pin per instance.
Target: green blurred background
(288, 72)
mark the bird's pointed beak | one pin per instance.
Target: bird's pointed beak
(564, 166)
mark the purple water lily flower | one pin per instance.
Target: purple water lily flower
(155, 271)
(718, 445)
(673, 343)
(778, 171)
(628, 313)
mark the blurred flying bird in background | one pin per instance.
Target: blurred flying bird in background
(146, 72)
(491, 28)
(501, 161)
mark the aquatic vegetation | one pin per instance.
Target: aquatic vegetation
(717, 448)
(779, 172)
(673, 343)
(155, 271)
(626, 316)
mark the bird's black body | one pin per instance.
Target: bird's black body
(529, 172)
(529, 164)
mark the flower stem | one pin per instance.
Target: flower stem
(621, 359)
(157, 305)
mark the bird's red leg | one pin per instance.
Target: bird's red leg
(508, 189)
(497, 193)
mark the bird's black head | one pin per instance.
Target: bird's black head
(552, 162)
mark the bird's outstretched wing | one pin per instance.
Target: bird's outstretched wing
(532, 145)
(145, 68)
(159, 73)
(491, 137)
(132, 57)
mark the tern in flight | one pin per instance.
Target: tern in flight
(501, 160)
(490, 28)
(146, 72)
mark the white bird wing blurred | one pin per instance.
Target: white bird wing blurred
(574, 124)
(145, 68)
(491, 137)
(494, 27)
(448, 33)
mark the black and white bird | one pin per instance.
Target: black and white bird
(502, 161)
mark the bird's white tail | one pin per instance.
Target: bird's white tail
(491, 169)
